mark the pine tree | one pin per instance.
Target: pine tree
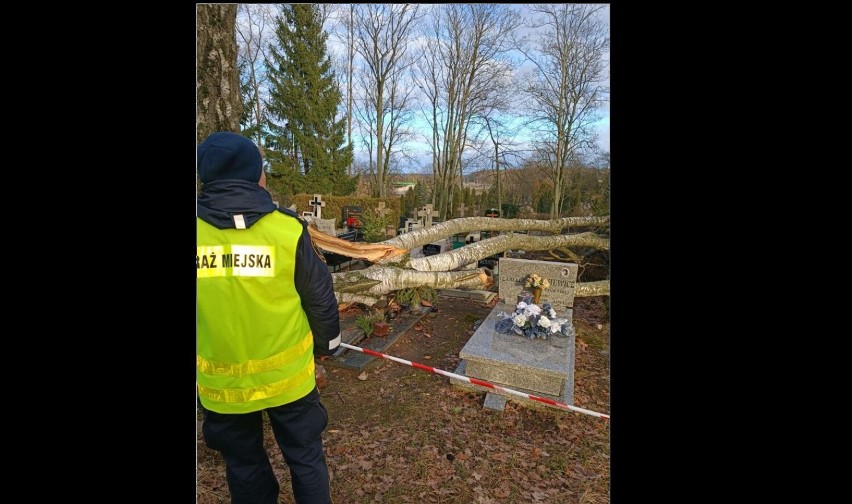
(304, 97)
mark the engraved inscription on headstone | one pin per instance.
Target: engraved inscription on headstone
(326, 226)
(562, 276)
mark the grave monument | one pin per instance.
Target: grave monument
(541, 367)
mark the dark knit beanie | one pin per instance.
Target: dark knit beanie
(226, 155)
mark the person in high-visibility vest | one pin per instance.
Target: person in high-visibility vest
(265, 308)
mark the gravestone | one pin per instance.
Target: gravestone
(381, 210)
(412, 225)
(336, 261)
(461, 209)
(356, 212)
(431, 249)
(562, 277)
(326, 226)
(491, 263)
(317, 203)
(426, 214)
(544, 368)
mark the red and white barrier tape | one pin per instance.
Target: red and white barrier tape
(474, 381)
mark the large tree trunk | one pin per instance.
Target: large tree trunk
(394, 269)
(217, 81)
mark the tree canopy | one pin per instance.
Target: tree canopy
(306, 141)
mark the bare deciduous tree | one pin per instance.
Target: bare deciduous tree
(567, 87)
(381, 36)
(468, 71)
(461, 64)
(255, 29)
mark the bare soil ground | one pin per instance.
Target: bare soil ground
(406, 435)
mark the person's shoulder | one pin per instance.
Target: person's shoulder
(291, 213)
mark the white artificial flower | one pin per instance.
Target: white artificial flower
(520, 320)
(534, 309)
(544, 321)
(555, 327)
(552, 313)
(521, 305)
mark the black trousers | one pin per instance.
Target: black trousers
(297, 427)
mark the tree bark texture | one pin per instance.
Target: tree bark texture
(394, 269)
(451, 227)
(217, 81)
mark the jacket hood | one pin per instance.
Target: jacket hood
(221, 200)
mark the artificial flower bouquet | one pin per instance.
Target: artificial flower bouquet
(533, 321)
(535, 281)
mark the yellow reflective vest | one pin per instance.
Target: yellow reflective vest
(254, 343)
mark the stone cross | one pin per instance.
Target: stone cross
(426, 213)
(381, 210)
(461, 209)
(317, 203)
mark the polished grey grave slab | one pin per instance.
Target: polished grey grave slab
(544, 368)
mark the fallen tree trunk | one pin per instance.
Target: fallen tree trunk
(486, 248)
(591, 289)
(369, 285)
(421, 237)
(394, 269)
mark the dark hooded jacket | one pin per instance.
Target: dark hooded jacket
(217, 204)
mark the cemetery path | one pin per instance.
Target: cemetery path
(405, 435)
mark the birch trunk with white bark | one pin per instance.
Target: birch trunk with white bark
(394, 269)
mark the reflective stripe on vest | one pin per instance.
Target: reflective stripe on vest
(255, 366)
(254, 346)
(258, 393)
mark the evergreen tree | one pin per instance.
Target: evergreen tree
(248, 128)
(304, 97)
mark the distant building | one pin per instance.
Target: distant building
(400, 188)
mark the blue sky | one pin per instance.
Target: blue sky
(419, 149)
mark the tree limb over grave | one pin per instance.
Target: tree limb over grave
(369, 285)
(394, 269)
(486, 248)
(373, 252)
(421, 237)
